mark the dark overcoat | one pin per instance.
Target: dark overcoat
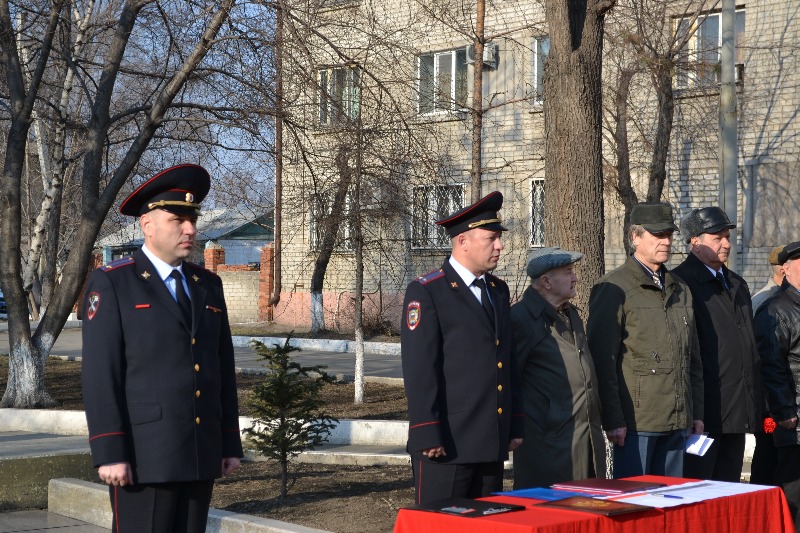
(563, 431)
(461, 383)
(159, 393)
(731, 364)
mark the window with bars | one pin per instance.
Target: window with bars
(432, 203)
(540, 52)
(537, 212)
(322, 218)
(442, 81)
(699, 61)
(339, 95)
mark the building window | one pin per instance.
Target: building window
(537, 212)
(540, 52)
(432, 203)
(699, 61)
(339, 95)
(321, 219)
(442, 81)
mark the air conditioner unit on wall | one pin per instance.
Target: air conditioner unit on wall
(489, 55)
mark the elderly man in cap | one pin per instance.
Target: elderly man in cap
(159, 385)
(464, 407)
(731, 365)
(563, 433)
(773, 283)
(777, 326)
(762, 469)
(642, 336)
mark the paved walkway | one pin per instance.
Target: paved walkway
(69, 344)
(19, 521)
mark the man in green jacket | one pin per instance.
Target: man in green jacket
(642, 336)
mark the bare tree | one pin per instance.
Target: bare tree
(117, 123)
(649, 40)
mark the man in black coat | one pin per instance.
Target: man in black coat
(464, 397)
(777, 326)
(159, 385)
(731, 364)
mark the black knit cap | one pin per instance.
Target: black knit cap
(481, 214)
(178, 189)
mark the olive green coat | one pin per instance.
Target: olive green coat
(645, 350)
(562, 407)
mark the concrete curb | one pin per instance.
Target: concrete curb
(70, 324)
(89, 503)
(347, 432)
(323, 345)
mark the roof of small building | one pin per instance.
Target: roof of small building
(212, 225)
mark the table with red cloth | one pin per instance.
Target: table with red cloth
(764, 511)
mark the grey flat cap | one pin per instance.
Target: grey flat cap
(705, 220)
(544, 260)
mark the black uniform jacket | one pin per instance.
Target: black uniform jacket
(731, 364)
(159, 393)
(462, 386)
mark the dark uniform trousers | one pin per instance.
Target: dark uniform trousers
(462, 388)
(161, 507)
(159, 392)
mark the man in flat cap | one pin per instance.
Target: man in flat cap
(464, 407)
(731, 365)
(762, 468)
(777, 325)
(158, 372)
(773, 283)
(642, 336)
(563, 433)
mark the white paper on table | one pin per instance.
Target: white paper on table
(698, 444)
(686, 493)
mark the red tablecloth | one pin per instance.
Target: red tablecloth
(763, 511)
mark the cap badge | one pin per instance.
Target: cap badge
(189, 197)
(413, 315)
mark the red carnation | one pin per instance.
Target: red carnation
(769, 425)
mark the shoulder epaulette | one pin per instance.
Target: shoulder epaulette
(125, 261)
(430, 276)
(196, 267)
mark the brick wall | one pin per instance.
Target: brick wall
(241, 294)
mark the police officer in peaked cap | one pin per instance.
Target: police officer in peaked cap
(464, 403)
(158, 370)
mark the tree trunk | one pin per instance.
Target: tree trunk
(329, 225)
(624, 186)
(666, 110)
(358, 245)
(477, 105)
(572, 112)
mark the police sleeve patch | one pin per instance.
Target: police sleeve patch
(94, 305)
(413, 315)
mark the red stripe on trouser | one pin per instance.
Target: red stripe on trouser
(419, 483)
(116, 509)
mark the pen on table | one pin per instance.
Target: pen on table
(668, 496)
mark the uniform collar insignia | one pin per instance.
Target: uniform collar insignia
(146, 274)
(454, 284)
(195, 278)
(491, 283)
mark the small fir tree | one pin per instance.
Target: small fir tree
(287, 409)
